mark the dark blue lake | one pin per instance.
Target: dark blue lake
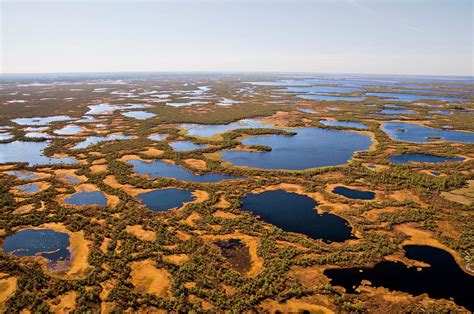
(405, 158)
(45, 242)
(297, 213)
(408, 132)
(87, 199)
(443, 279)
(353, 194)
(161, 169)
(162, 200)
(309, 148)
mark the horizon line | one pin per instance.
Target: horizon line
(11, 74)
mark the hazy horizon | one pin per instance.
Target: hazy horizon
(318, 37)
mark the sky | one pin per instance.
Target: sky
(424, 37)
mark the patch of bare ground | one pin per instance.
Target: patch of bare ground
(107, 286)
(225, 215)
(373, 214)
(142, 234)
(8, 287)
(65, 303)
(293, 306)
(251, 242)
(126, 158)
(176, 259)
(104, 245)
(425, 237)
(146, 278)
(281, 119)
(463, 196)
(153, 152)
(206, 306)
(25, 209)
(223, 203)
(196, 163)
(191, 218)
(407, 195)
(98, 169)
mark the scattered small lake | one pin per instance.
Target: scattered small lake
(140, 115)
(45, 242)
(311, 111)
(186, 146)
(23, 175)
(87, 199)
(309, 148)
(397, 276)
(346, 124)
(209, 130)
(296, 213)
(330, 97)
(185, 104)
(99, 139)
(166, 199)
(413, 97)
(157, 137)
(29, 152)
(161, 169)
(38, 135)
(353, 193)
(321, 89)
(41, 120)
(408, 132)
(228, 102)
(396, 111)
(5, 136)
(29, 188)
(108, 108)
(69, 130)
(415, 157)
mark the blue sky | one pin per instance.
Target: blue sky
(338, 36)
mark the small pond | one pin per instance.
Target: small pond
(41, 120)
(297, 213)
(157, 137)
(140, 115)
(23, 175)
(415, 157)
(69, 130)
(166, 199)
(413, 97)
(353, 193)
(186, 146)
(87, 199)
(29, 188)
(91, 140)
(346, 124)
(236, 253)
(161, 169)
(208, 130)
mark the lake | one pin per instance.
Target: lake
(166, 199)
(209, 130)
(87, 199)
(443, 279)
(91, 140)
(346, 124)
(309, 148)
(297, 213)
(408, 132)
(29, 152)
(161, 169)
(413, 97)
(186, 146)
